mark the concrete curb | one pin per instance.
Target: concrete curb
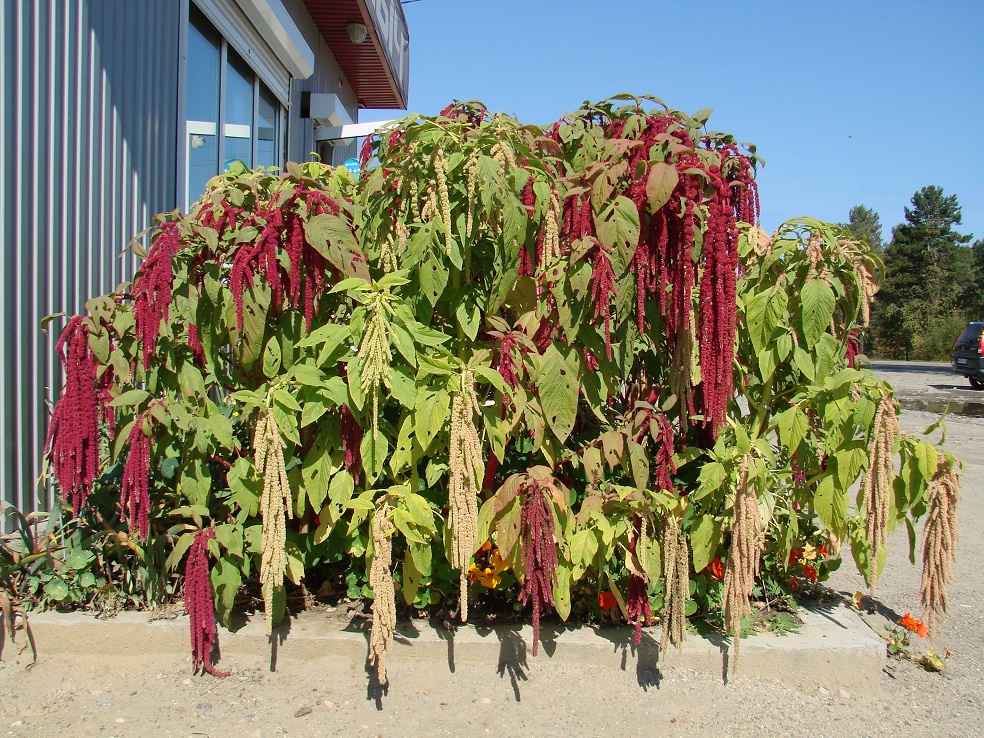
(834, 649)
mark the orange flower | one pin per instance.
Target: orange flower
(606, 600)
(716, 569)
(811, 573)
(921, 630)
(497, 563)
(908, 622)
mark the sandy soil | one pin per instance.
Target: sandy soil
(129, 695)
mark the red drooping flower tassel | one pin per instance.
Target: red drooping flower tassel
(198, 605)
(152, 289)
(539, 553)
(134, 493)
(602, 290)
(507, 362)
(853, 348)
(195, 344)
(72, 442)
(717, 312)
(665, 468)
(351, 433)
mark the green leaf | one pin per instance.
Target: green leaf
(403, 342)
(329, 335)
(926, 457)
(285, 398)
(557, 385)
(712, 476)
(221, 428)
(849, 463)
(226, 579)
(272, 358)
(433, 277)
(411, 578)
(492, 376)
(430, 414)
(831, 506)
(403, 387)
(618, 231)
(307, 374)
(341, 488)
(639, 462)
(190, 380)
(374, 448)
(469, 317)
(419, 510)
(817, 304)
(356, 284)
(169, 467)
(705, 539)
(426, 336)
(584, 546)
(804, 363)
(56, 589)
(755, 308)
(230, 537)
(79, 558)
(332, 237)
(130, 398)
(245, 488)
(793, 426)
(316, 472)
(662, 180)
(354, 379)
(313, 409)
(562, 590)
(180, 549)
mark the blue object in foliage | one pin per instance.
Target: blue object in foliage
(352, 165)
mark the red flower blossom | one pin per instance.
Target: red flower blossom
(606, 601)
(716, 569)
(916, 626)
(199, 606)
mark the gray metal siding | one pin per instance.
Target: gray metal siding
(327, 77)
(88, 145)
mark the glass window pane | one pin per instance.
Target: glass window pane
(202, 100)
(204, 46)
(238, 110)
(268, 129)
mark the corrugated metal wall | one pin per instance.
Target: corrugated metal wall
(90, 94)
(87, 139)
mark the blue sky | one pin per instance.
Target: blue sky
(849, 103)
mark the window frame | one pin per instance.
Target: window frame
(282, 117)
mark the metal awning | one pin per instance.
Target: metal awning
(379, 68)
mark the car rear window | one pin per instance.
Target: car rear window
(972, 332)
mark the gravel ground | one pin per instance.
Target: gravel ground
(128, 695)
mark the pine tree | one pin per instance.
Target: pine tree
(929, 277)
(863, 224)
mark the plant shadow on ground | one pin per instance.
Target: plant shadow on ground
(513, 651)
(647, 652)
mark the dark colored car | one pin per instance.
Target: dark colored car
(968, 354)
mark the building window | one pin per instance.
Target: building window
(225, 95)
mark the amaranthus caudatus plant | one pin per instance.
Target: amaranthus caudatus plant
(575, 342)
